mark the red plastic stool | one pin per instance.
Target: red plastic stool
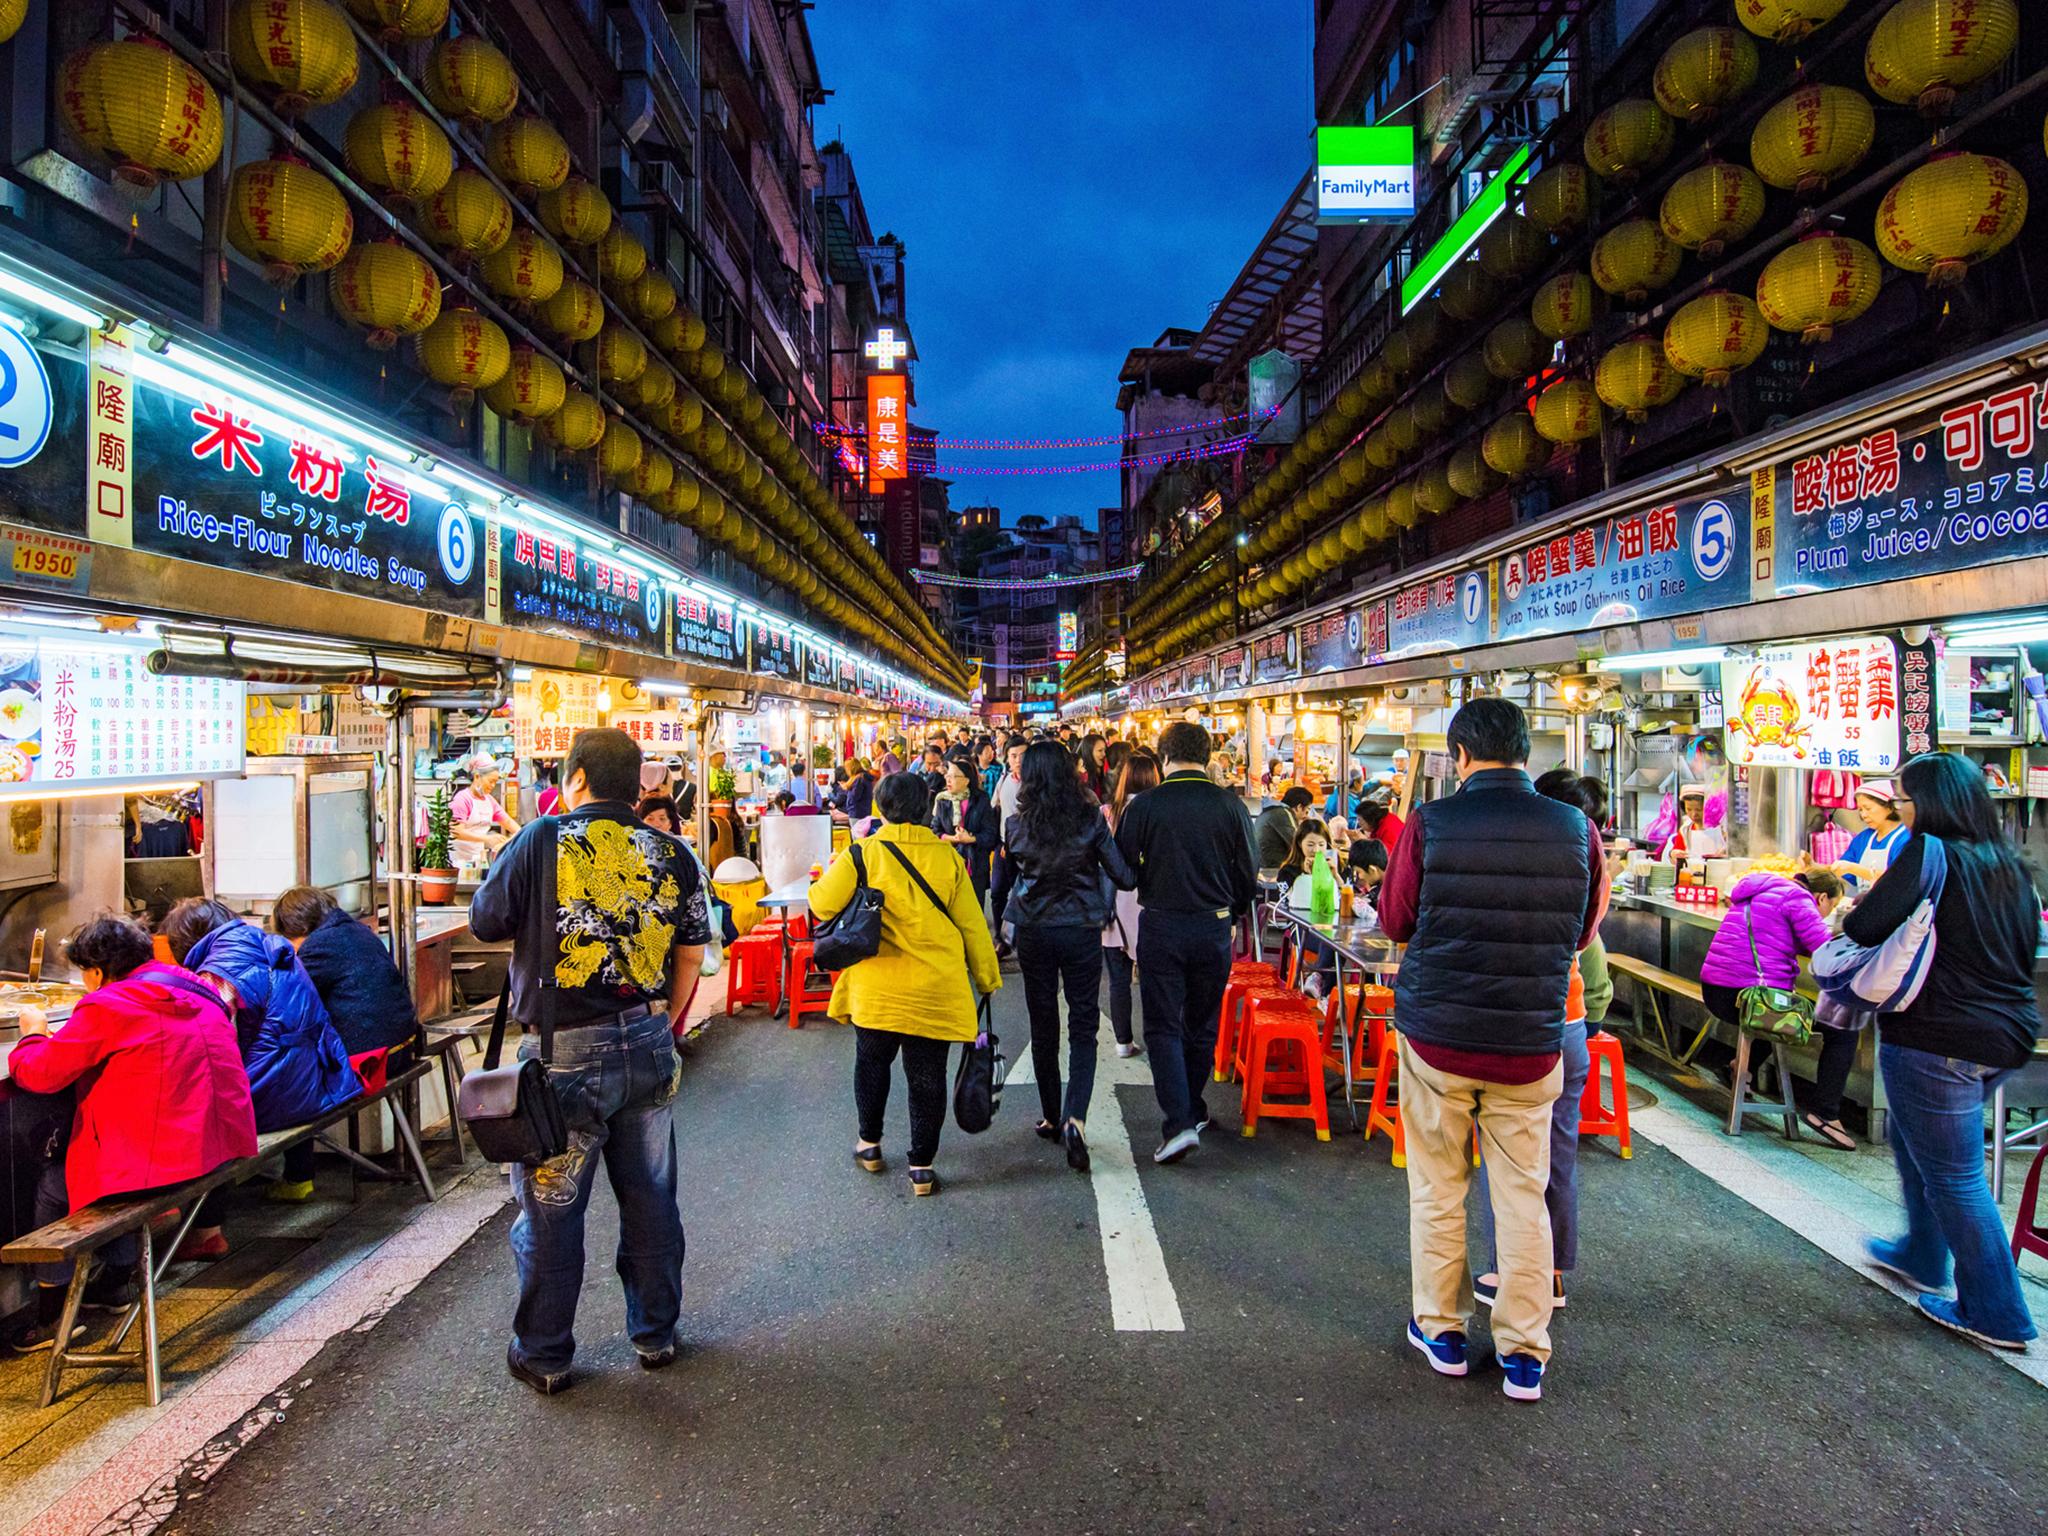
(753, 971)
(1255, 970)
(1275, 999)
(804, 998)
(1383, 1113)
(1605, 1116)
(1373, 1007)
(2027, 1235)
(1231, 1014)
(1276, 1029)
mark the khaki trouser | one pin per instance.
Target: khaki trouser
(1437, 1113)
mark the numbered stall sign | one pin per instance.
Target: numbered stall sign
(25, 399)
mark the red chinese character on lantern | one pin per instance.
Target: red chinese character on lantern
(230, 436)
(1962, 436)
(1845, 474)
(1820, 678)
(1585, 550)
(2009, 421)
(1809, 486)
(1628, 535)
(387, 499)
(1663, 530)
(1878, 460)
(315, 473)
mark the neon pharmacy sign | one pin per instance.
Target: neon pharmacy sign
(1364, 173)
(1463, 235)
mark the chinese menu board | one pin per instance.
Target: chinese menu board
(1834, 704)
(818, 666)
(1966, 488)
(1449, 613)
(775, 653)
(549, 708)
(1332, 642)
(1232, 668)
(708, 631)
(660, 732)
(78, 714)
(551, 581)
(1916, 696)
(1682, 558)
(1273, 657)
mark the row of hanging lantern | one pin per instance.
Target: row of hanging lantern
(1937, 221)
(156, 118)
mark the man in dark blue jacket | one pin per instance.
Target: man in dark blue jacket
(1494, 890)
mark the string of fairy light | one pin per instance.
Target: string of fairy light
(1037, 583)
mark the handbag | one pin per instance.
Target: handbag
(978, 1083)
(854, 932)
(512, 1112)
(1778, 1012)
(1887, 976)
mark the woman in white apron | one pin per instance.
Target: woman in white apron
(481, 825)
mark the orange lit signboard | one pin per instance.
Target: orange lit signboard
(888, 429)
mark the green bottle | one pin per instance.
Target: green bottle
(1322, 891)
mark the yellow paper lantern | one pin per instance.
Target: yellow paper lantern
(469, 219)
(529, 154)
(1786, 21)
(464, 352)
(621, 258)
(1629, 138)
(387, 289)
(1563, 307)
(1924, 51)
(1415, 340)
(1635, 377)
(299, 53)
(12, 14)
(652, 476)
(1434, 492)
(398, 151)
(1354, 470)
(681, 330)
(1818, 283)
(682, 496)
(143, 108)
(397, 21)
(1402, 427)
(1715, 336)
(1378, 382)
(619, 355)
(289, 217)
(1559, 198)
(1467, 292)
(527, 269)
(1469, 473)
(1512, 248)
(655, 387)
(652, 298)
(682, 415)
(1380, 449)
(1710, 206)
(1812, 136)
(532, 387)
(576, 211)
(1512, 446)
(1514, 349)
(1634, 259)
(1400, 505)
(578, 425)
(1468, 383)
(1357, 533)
(575, 313)
(1567, 412)
(1703, 71)
(469, 79)
(1949, 214)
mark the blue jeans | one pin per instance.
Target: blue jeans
(1561, 1194)
(616, 1083)
(1937, 1136)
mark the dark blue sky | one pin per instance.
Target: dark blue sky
(1070, 177)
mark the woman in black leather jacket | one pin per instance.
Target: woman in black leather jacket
(1067, 863)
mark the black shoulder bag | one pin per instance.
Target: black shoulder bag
(854, 933)
(513, 1111)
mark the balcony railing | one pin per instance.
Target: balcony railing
(730, 187)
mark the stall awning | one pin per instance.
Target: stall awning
(253, 656)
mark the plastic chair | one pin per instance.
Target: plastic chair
(1383, 1113)
(2028, 1236)
(1605, 1115)
(753, 972)
(1230, 1030)
(1374, 1009)
(1283, 1055)
(804, 998)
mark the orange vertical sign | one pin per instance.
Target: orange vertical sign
(888, 429)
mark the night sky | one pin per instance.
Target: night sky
(1069, 177)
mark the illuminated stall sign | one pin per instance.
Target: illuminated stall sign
(818, 666)
(1274, 658)
(1194, 678)
(776, 653)
(549, 708)
(1966, 487)
(868, 682)
(1233, 668)
(1684, 557)
(709, 632)
(1332, 643)
(1833, 704)
(849, 675)
(76, 713)
(1448, 613)
(660, 732)
(1364, 173)
(553, 581)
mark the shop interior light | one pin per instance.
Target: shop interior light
(42, 791)
(522, 674)
(666, 690)
(2017, 630)
(152, 369)
(14, 285)
(1649, 661)
(469, 485)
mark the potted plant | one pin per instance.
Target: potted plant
(724, 785)
(436, 863)
(821, 756)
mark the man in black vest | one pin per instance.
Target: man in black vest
(1494, 889)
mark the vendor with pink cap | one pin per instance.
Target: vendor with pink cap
(1871, 851)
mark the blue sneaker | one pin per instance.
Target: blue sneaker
(1446, 1351)
(1950, 1315)
(1881, 1255)
(1521, 1377)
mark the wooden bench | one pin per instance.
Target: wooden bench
(77, 1237)
(1650, 980)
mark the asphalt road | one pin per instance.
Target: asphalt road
(859, 1362)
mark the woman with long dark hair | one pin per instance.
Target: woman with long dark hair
(1972, 1024)
(1062, 850)
(1093, 772)
(1138, 771)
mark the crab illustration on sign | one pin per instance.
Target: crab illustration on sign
(1768, 715)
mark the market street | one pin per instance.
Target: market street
(859, 1362)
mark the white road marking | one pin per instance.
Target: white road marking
(1141, 1294)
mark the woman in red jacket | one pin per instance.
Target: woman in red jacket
(164, 1098)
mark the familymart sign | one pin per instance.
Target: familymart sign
(1364, 173)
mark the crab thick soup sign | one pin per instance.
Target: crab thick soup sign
(1831, 704)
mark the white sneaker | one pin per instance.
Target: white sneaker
(1178, 1147)
(1128, 1051)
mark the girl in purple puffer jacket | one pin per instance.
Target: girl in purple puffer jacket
(1788, 917)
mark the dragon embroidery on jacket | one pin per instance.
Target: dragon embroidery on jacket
(618, 906)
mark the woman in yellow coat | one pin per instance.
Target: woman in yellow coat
(917, 995)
